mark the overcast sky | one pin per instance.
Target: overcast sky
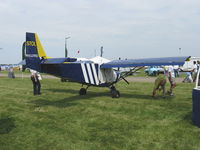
(125, 28)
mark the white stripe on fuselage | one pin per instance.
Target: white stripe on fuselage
(84, 72)
(95, 74)
(90, 73)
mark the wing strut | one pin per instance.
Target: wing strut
(123, 76)
(135, 69)
(125, 80)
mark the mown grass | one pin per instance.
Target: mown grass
(60, 119)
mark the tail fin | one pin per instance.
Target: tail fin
(34, 52)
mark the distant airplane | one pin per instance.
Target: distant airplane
(97, 71)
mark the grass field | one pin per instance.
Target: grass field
(60, 119)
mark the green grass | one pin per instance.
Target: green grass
(60, 119)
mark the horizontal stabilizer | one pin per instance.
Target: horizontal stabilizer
(58, 60)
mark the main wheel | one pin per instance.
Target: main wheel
(115, 93)
(82, 91)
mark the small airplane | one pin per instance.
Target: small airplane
(97, 71)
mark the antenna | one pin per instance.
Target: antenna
(66, 51)
(101, 51)
(180, 51)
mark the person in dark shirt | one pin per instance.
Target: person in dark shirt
(36, 82)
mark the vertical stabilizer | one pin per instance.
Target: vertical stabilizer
(34, 52)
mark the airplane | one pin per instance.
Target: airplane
(97, 71)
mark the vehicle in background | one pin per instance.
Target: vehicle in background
(6, 67)
(153, 70)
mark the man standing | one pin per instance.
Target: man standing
(195, 69)
(171, 77)
(198, 65)
(36, 82)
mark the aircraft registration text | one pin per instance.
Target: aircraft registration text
(30, 43)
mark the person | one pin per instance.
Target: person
(199, 81)
(195, 67)
(160, 83)
(176, 70)
(188, 77)
(36, 82)
(171, 77)
(198, 65)
(11, 73)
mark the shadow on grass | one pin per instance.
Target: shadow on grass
(68, 101)
(188, 118)
(92, 94)
(6, 125)
(89, 95)
(141, 97)
(71, 101)
(63, 91)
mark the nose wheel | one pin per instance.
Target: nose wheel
(114, 93)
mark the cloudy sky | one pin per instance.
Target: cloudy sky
(125, 28)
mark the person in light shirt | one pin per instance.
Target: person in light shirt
(195, 69)
(171, 77)
(198, 65)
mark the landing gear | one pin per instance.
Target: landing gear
(115, 93)
(82, 91)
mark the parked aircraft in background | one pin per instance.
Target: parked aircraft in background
(189, 65)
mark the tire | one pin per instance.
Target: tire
(82, 91)
(115, 94)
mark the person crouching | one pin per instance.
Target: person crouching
(160, 83)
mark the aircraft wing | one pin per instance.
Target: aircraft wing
(23, 62)
(146, 62)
